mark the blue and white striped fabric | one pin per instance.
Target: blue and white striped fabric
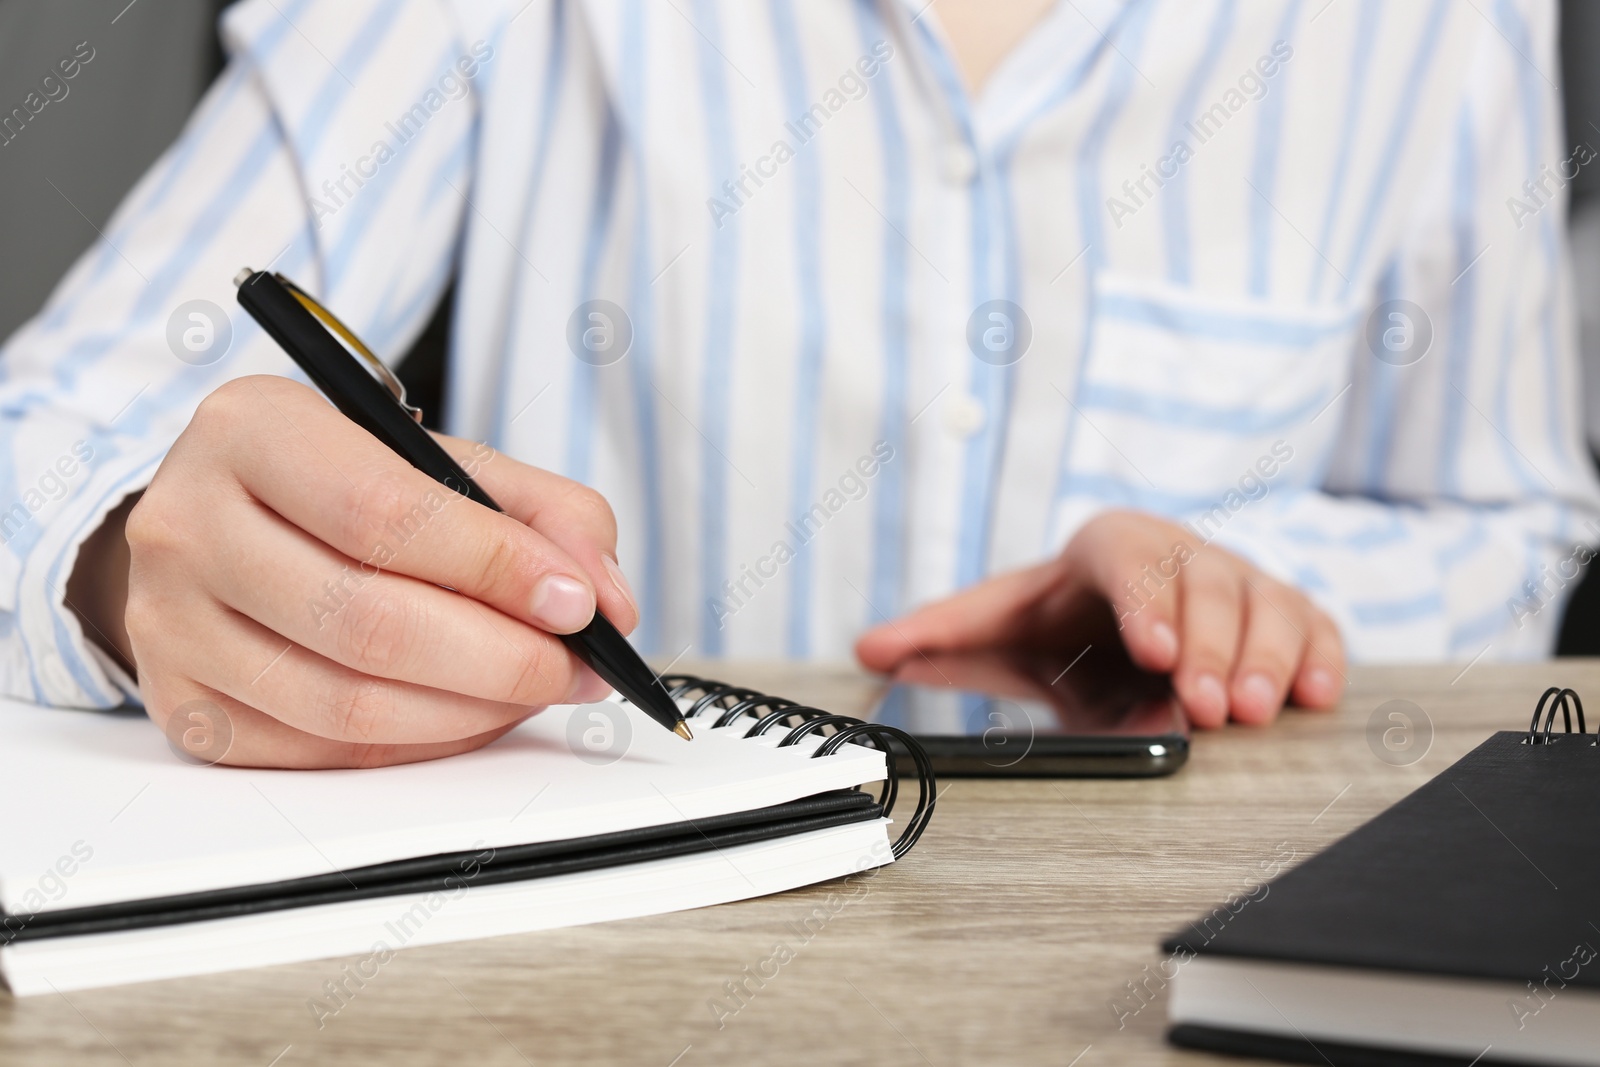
(805, 218)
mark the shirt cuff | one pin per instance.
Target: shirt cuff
(50, 660)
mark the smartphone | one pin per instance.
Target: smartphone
(992, 715)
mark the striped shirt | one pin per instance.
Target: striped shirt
(836, 336)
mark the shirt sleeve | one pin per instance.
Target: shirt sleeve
(334, 149)
(1456, 509)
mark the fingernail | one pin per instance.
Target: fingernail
(1165, 638)
(1258, 694)
(1208, 689)
(1320, 685)
(619, 580)
(562, 605)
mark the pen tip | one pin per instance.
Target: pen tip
(682, 730)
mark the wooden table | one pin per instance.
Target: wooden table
(1010, 935)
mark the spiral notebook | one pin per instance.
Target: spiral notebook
(122, 863)
(1461, 926)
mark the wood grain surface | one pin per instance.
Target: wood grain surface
(1010, 935)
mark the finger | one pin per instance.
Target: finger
(385, 625)
(1213, 612)
(1274, 642)
(1140, 578)
(1320, 680)
(314, 695)
(569, 513)
(983, 615)
(334, 480)
(259, 740)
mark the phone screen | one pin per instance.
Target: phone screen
(994, 714)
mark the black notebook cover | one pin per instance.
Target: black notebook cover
(1491, 870)
(1327, 1053)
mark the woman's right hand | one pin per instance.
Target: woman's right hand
(334, 605)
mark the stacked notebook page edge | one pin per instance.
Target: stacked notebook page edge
(376, 927)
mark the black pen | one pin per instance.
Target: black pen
(307, 331)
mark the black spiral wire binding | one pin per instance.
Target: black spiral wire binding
(745, 707)
(1561, 700)
(796, 713)
(680, 685)
(731, 703)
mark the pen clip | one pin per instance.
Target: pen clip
(375, 366)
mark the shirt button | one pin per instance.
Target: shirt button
(958, 164)
(964, 415)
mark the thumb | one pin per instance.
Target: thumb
(984, 615)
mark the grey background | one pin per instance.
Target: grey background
(122, 109)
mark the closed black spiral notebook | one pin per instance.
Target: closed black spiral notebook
(149, 867)
(1460, 926)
